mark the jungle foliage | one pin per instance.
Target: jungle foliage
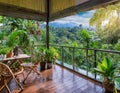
(29, 35)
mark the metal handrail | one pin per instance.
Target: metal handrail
(86, 49)
(103, 50)
(87, 57)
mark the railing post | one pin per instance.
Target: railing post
(73, 58)
(62, 56)
(95, 64)
(87, 60)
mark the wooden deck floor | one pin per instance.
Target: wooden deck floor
(59, 80)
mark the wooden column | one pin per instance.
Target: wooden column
(47, 23)
(95, 64)
(47, 34)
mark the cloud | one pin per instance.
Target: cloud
(80, 18)
(87, 14)
(75, 19)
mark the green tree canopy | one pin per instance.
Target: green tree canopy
(107, 22)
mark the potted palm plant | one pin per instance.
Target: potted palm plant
(48, 57)
(107, 70)
(55, 55)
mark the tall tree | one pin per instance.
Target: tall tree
(85, 37)
(107, 22)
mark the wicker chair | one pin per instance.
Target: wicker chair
(6, 75)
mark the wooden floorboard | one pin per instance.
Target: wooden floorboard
(59, 80)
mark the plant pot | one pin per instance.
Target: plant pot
(10, 54)
(42, 66)
(49, 65)
(109, 88)
(118, 91)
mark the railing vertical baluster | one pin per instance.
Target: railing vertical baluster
(62, 56)
(95, 64)
(87, 60)
(73, 58)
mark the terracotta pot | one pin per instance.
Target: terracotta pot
(109, 88)
(10, 54)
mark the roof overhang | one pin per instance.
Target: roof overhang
(37, 9)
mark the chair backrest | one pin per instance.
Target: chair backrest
(5, 75)
(5, 70)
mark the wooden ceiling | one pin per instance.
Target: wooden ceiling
(37, 9)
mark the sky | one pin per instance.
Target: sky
(74, 20)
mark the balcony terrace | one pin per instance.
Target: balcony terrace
(65, 76)
(59, 80)
(73, 72)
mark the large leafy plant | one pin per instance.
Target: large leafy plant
(51, 55)
(18, 38)
(48, 55)
(107, 69)
(55, 55)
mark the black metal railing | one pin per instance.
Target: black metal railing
(83, 60)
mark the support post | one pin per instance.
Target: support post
(87, 60)
(73, 58)
(47, 23)
(95, 64)
(62, 54)
(47, 34)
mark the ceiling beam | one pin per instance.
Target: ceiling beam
(20, 12)
(88, 5)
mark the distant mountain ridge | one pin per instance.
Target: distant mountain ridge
(66, 25)
(58, 25)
